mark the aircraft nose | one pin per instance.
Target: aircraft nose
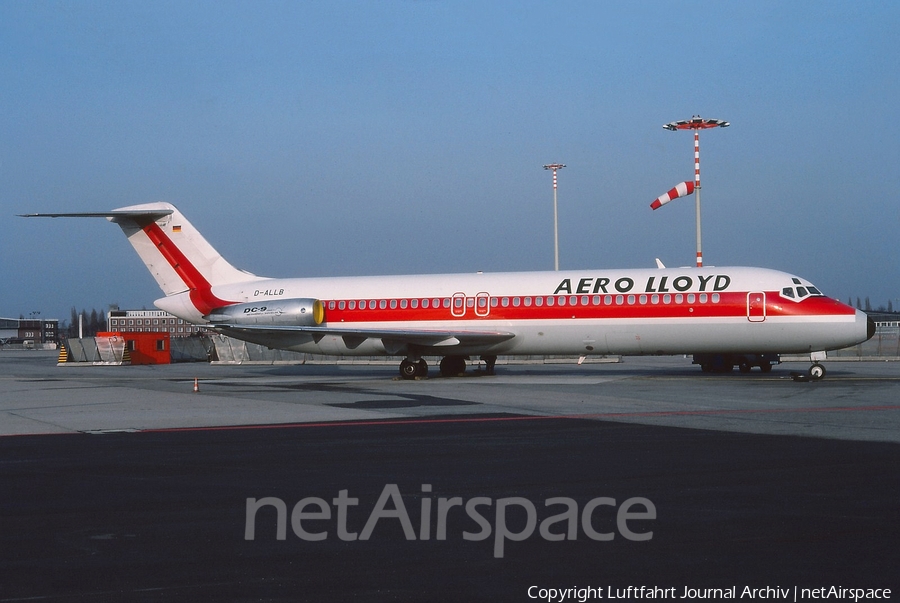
(870, 328)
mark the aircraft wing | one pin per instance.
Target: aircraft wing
(392, 338)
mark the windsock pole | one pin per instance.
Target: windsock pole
(697, 123)
(697, 195)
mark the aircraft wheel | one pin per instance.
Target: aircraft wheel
(744, 367)
(816, 372)
(409, 369)
(765, 367)
(421, 368)
(451, 366)
(706, 367)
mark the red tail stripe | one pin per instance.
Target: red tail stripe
(200, 289)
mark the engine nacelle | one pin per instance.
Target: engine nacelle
(284, 312)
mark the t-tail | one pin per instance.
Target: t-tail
(186, 267)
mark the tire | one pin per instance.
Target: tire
(451, 366)
(421, 368)
(816, 372)
(408, 369)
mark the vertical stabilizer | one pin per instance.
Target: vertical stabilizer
(175, 252)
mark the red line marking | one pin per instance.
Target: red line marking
(611, 415)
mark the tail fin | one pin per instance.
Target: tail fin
(175, 253)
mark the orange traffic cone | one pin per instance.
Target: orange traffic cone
(196, 385)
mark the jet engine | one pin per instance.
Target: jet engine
(284, 312)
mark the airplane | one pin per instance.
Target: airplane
(723, 316)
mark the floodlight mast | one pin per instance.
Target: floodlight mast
(697, 123)
(555, 167)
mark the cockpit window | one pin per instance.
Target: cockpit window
(799, 292)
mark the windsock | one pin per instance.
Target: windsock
(680, 190)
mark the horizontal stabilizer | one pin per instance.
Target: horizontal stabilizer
(112, 215)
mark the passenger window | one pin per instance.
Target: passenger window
(630, 300)
(667, 299)
(470, 303)
(691, 298)
(715, 298)
(654, 299)
(352, 304)
(446, 302)
(425, 303)
(505, 302)
(382, 304)
(551, 300)
(527, 301)
(679, 298)
(414, 303)
(573, 301)
(458, 302)
(403, 304)
(596, 300)
(643, 299)
(619, 300)
(562, 300)
(703, 298)
(584, 300)
(608, 300)
(331, 305)
(516, 302)
(538, 301)
(393, 304)
(494, 302)
(341, 305)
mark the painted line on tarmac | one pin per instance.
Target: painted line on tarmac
(611, 415)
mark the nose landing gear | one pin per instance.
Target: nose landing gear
(816, 372)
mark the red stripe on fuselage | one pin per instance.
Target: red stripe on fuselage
(730, 305)
(200, 289)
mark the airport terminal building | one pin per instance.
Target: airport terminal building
(150, 321)
(29, 331)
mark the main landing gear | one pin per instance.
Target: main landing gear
(451, 366)
(410, 369)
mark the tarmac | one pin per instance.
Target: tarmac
(123, 483)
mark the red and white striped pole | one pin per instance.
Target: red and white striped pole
(697, 195)
(555, 167)
(696, 124)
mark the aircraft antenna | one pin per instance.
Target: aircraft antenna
(697, 123)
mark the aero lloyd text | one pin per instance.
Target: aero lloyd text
(662, 284)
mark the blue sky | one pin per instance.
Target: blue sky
(345, 138)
